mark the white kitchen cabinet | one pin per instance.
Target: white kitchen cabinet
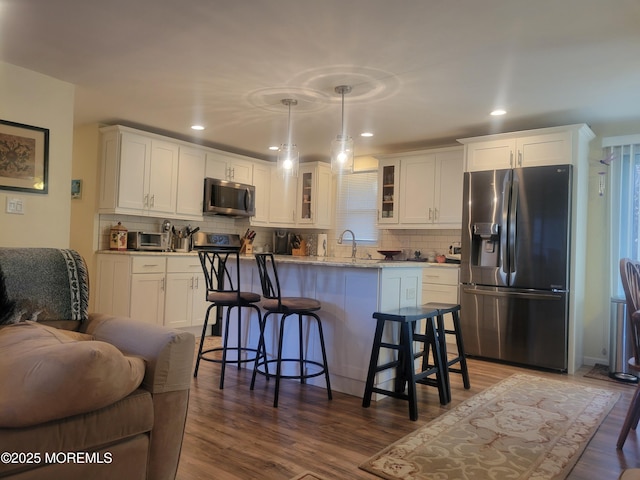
(519, 149)
(442, 285)
(147, 288)
(228, 167)
(185, 296)
(114, 284)
(282, 199)
(166, 289)
(428, 192)
(138, 173)
(313, 205)
(262, 182)
(417, 181)
(191, 168)
(388, 188)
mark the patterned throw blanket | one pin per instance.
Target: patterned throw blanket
(42, 284)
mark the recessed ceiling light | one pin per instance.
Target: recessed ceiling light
(498, 112)
(197, 127)
(274, 147)
(366, 134)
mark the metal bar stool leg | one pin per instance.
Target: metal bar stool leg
(325, 364)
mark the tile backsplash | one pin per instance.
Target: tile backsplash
(408, 241)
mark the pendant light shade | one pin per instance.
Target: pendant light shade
(342, 146)
(288, 155)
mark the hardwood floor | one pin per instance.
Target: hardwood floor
(236, 434)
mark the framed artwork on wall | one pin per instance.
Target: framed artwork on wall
(24, 157)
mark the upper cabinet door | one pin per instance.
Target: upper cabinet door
(417, 178)
(448, 188)
(163, 177)
(191, 163)
(388, 190)
(491, 155)
(262, 182)
(546, 149)
(135, 156)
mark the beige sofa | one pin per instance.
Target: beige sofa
(84, 395)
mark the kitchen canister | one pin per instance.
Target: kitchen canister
(118, 237)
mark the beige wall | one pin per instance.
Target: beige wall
(83, 222)
(33, 99)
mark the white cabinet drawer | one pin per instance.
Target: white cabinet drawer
(190, 264)
(440, 275)
(148, 264)
(439, 293)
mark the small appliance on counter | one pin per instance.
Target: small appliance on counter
(147, 241)
(282, 242)
(204, 240)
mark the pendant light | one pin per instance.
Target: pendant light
(288, 156)
(342, 146)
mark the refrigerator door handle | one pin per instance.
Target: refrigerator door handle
(513, 225)
(504, 227)
(527, 295)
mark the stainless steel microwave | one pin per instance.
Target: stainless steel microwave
(222, 197)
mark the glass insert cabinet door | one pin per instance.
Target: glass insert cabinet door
(388, 179)
(306, 195)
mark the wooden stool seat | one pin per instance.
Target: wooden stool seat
(406, 374)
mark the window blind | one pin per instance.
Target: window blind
(623, 155)
(357, 206)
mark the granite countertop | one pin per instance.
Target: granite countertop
(310, 260)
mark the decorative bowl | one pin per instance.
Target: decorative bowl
(388, 254)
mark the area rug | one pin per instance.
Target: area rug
(525, 427)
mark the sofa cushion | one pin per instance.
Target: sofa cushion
(43, 284)
(105, 428)
(53, 374)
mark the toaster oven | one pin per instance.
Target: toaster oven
(147, 241)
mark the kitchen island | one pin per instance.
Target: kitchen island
(167, 288)
(350, 291)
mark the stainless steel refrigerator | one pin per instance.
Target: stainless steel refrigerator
(515, 265)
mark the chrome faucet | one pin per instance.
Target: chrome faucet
(353, 242)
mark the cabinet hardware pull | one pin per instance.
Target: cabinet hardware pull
(197, 285)
(162, 285)
(430, 214)
(436, 214)
(511, 158)
(519, 158)
(153, 200)
(191, 283)
(145, 200)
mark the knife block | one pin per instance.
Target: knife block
(302, 251)
(246, 246)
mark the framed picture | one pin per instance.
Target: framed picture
(24, 157)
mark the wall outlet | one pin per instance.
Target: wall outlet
(411, 293)
(15, 206)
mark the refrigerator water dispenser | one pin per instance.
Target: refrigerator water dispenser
(486, 244)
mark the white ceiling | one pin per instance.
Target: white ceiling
(423, 72)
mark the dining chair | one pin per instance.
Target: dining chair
(630, 276)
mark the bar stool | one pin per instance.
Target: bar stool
(453, 309)
(223, 290)
(404, 364)
(275, 304)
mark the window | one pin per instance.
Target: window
(357, 200)
(624, 170)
